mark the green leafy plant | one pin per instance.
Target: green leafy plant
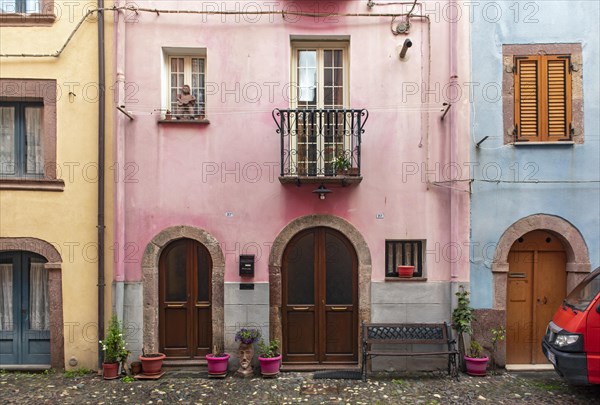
(475, 350)
(247, 336)
(462, 316)
(77, 372)
(498, 335)
(217, 352)
(113, 344)
(341, 163)
(268, 350)
(128, 379)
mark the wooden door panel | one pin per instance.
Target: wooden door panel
(550, 291)
(301, 341)
(519, 338)
(204, 341)
(339, 341)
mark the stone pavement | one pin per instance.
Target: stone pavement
(193, 387)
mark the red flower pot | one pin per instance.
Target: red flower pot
(217, 365)
(406, 271)
(152, 363)
(110, 371)
(476, 366)
(269, 365)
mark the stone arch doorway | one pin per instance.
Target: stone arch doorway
(576, 257)
(276, 260)
(53, 265)
(150, 273)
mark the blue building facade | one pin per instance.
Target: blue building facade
(535, 202)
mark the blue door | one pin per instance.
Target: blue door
(24, 309)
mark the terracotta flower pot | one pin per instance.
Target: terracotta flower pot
(269, 366)
(406, 271)
(217, 365)
(476, 366)
(152, 363)
(110, 371)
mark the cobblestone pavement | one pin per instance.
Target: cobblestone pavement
(193, 387)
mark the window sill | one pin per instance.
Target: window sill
(184, 122)
(26, 20)
(32, 184)
(394, 279)
(559, 143)
(344, 180)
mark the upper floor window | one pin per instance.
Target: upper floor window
(543, 98)
(543, 93)
(184, 85)
(26, 12)
(21, 133)
(28, 135)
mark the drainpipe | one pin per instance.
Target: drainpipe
(101, 133)
(454, 198)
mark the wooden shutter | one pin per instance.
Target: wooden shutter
(542, 98)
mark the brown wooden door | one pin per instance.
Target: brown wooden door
(185, 320)
(537, 284)
(320, 299)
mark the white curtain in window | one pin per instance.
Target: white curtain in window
(6, 297)
(39, 306)
(33, 6)
(33, 128)
(7, 140)
(307, 76)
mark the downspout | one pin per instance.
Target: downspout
(454, 203)
(101, 157)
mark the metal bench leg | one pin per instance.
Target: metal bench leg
(364, 367)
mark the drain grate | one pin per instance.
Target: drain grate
(338, 375)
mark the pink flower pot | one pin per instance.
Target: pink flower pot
(217, 365)
(406, 271)
(476, 366)
(110, 371)
(270, 365)
(152, 364)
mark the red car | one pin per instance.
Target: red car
(572, 340)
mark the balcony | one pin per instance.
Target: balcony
(320, 146)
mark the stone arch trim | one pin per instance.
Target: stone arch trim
(276, 257)
(150, 260)
(578, 260)
(54, 267)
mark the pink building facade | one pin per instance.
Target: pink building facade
(290, 100)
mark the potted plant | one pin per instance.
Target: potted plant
(246, 337)
(341, 164)
(475, 360)
(114, 349)
(217, 362)
(269, 358)
(498, 335)
(151, 363)
(461, 320)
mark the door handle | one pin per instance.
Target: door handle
(299, 308)
(175, 305)
(339, 308)
(542, 301)
(202, 305)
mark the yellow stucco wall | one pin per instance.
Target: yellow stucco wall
(67, 219)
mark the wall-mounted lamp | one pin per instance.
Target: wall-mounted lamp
(322, 191)
(407, 44)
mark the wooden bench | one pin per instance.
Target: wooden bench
(407, 334)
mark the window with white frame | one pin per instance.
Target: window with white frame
(320, 74)
(186, 86)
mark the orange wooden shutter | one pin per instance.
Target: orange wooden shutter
(527, 114)
(558, 97)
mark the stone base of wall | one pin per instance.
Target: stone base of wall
(485, 321)
(129, 296)
(412, 302)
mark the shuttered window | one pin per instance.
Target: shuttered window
(542, 98)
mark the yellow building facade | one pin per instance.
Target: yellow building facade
(49, 183)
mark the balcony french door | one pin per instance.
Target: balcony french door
(319, 135)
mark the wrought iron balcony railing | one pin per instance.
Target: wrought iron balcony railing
(320, 143)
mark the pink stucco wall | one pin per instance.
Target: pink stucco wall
(172, 167)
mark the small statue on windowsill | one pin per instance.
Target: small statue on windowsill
(186, 103)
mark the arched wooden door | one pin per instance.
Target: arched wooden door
(320, 299)
(185, 321)
(537, 284)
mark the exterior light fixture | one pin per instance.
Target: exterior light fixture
(322, 191)
(407, 44)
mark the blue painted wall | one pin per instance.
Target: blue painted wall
(496, 206)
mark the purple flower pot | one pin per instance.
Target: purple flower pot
(270, 365)
(217, 365)
(476, 366)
